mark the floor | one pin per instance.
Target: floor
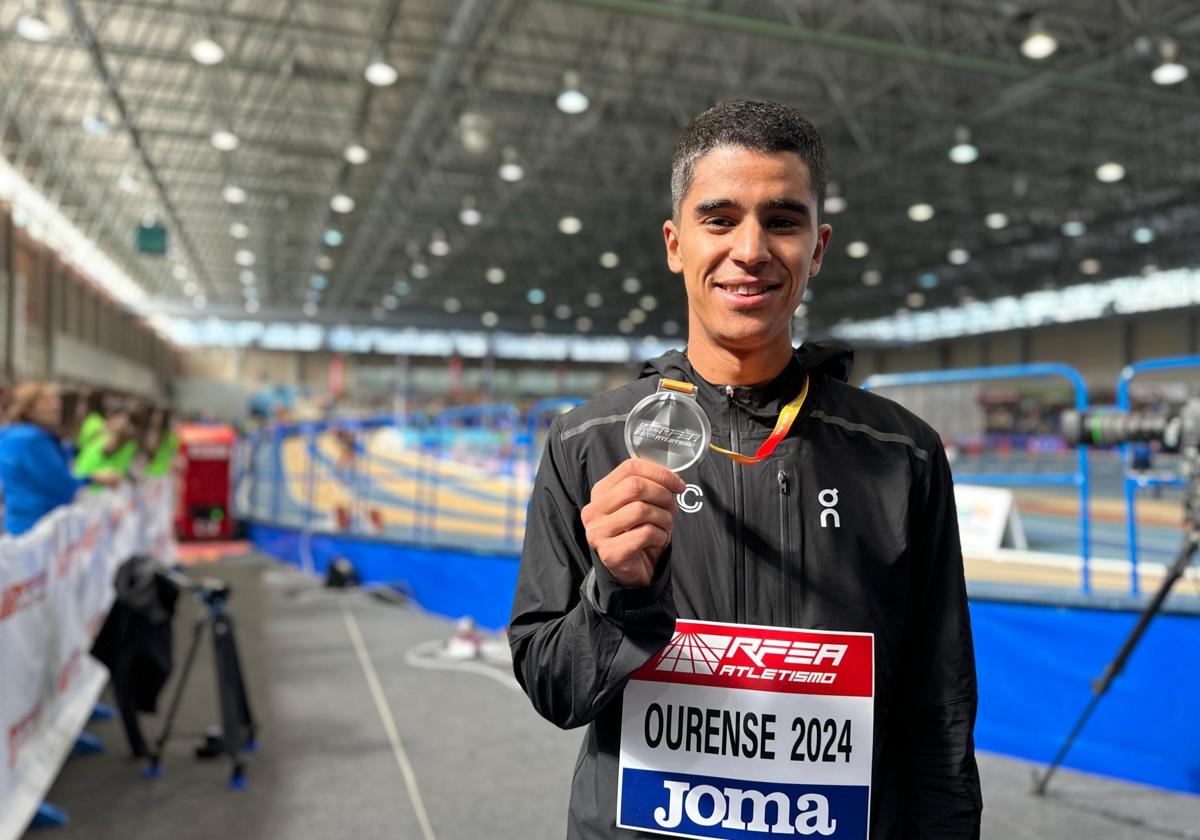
(330, 672)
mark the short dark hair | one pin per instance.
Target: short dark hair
(767, 127)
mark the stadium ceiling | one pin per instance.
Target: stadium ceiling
(465, 209)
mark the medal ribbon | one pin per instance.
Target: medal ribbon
(782, 426)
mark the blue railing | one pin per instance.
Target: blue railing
(1133, 479)
(1079, 479)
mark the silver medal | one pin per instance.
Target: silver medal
(669, 428)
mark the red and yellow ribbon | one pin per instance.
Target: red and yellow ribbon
(782, 426)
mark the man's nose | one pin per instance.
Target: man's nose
(750, 245)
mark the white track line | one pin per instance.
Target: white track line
(389, 723)
(420, 657)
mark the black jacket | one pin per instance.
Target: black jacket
(759, 550)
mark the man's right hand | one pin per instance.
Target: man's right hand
(630, 518)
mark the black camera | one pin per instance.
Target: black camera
(1176, 431)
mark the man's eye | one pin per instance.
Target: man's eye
(783, 223)
(718, 221)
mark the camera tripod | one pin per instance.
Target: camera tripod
(1191, 543)
(237, 723)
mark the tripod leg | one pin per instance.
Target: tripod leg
(1113, 670)
(155, 768)
(230, 695)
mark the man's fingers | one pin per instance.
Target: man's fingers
(642, 469)
(627, 518)
(643, 538)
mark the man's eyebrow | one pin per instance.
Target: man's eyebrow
(786, 204)
(716, 204)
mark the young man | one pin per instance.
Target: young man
(848, 525)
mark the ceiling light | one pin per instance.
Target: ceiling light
(1039, 43)
(570, 225)
(207, 51)
(244, 257)
(510, 167)
(419, 270)
(631, 285)
(538, 322)
(341, 203)
(625, 326)
(1110, 172)
(224, 140)
(239, 230)
(310, 309)
(857, 249)
(319, 282)
(247, 277)
(333, 237)
(494, 275)
(535, 296)
(129, 181)
(834, 201)
(958, 256)
(1169, 71)
(872, 277)
(32, 25)
(648, 302)
(928, 280)
(1143, 235)
(562, 312)
(571, 100)
(379, 72)
(251, 306)
(915, 300)
(1090, 266)
(609, 259)
(402, 288)
(594, 299)
(356, 154)
(452, 305)
(234, 194)
(489, 319)
(179, 272)
(963, 151)
(921, 212)
(95, 121)
(670, 327)
(469, 215)
(583, 324)
(324, 262)
(996, 221)
(390, 301)
(475, 132)
(438, 246)
(637, 316)
(1074, 227)
(801, 311)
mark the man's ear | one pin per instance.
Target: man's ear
(823, 234)
(671, 240)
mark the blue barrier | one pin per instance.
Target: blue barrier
(1132, 480)
(1080, 478)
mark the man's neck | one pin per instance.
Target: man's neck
(722, 366)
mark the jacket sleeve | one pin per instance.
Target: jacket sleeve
(576, 634)
(46, 471)
(944, 799)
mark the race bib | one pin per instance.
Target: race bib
(740, 731)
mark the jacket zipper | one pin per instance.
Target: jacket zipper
(739, 542)
(785, 543)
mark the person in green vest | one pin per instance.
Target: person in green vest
(112, 450)
(162, 444)
(91, 407)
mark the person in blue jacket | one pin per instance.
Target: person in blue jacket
(33, 466)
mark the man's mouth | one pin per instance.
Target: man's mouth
(748, 290)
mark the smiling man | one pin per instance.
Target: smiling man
(831, 689)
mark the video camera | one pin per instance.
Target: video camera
(1177, 431)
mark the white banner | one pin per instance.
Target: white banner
(56, 587)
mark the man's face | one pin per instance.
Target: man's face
(746, 243)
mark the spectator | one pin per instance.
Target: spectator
(162, 444)
(33, 466)
(112, 450)
(91, 406)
